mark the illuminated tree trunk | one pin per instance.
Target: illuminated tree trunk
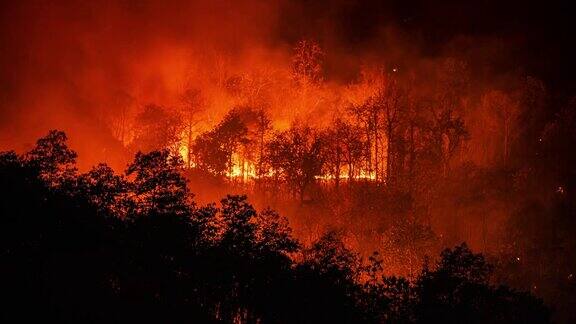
(350, 172)
(260, 172)
(337, 171)
(389, 153)
(189, 146)
(369, 148)
(376, 151)
(243, 168)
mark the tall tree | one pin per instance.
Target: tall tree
(158, 186)
(120, 120)
(52, 159)
(214, 150)
(157, 128)
(447, 125)
(104, 189)
(506, 112)
(307, 63)
(296, 155)
(192, 104)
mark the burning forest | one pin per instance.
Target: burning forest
(287, 161)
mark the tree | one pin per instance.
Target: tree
(373, 112)
(447, 125)
(368, 114)
(448, 133)
(296, 155)
(328, 274)
(158, 186)
(533, 98)
(507, 113)
(192, 104)
(273, 234)
(354, 148)
(214, 150)
(330, 256)
(52, 159)
(391, 99)
(343, 150)
(252, 145)
(240, 230)
(120, 121)
(333, 143)
(407, 243)
(458, 290)
(263, 128)
(103, 188)
(307, 63)
(171, 261)
(157, 128)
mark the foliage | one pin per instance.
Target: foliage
(109, 248)
(156, 128)
(296, 156)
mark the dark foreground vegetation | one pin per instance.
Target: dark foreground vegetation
(134, 248)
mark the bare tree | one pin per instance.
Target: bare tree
(120, 119)
(307, 63)
(157, 128)
(192, 104)
(507, 112)
(343, 149)
(447, 125)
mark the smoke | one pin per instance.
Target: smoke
(63, 63)
(72, 64)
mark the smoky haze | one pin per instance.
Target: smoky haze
(65, 63)
(494, 78)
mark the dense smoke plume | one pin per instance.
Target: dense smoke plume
(72, 65)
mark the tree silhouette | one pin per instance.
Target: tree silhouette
(158, 185)
(296, 154)
(459, 290)
(156, 128)
(52, 158)
(103, 188)
(192, 104)
(214, 150)
(112, 248)
(307, 63)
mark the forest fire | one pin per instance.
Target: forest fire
(288, 161)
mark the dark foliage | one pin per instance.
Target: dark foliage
(100, 247)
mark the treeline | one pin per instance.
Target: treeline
(403, 129)
(134, 247)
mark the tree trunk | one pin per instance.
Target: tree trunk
(189, 146)
(376, 162)
(337, 169)
(369, 146)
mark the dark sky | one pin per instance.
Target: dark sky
(540, 33)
